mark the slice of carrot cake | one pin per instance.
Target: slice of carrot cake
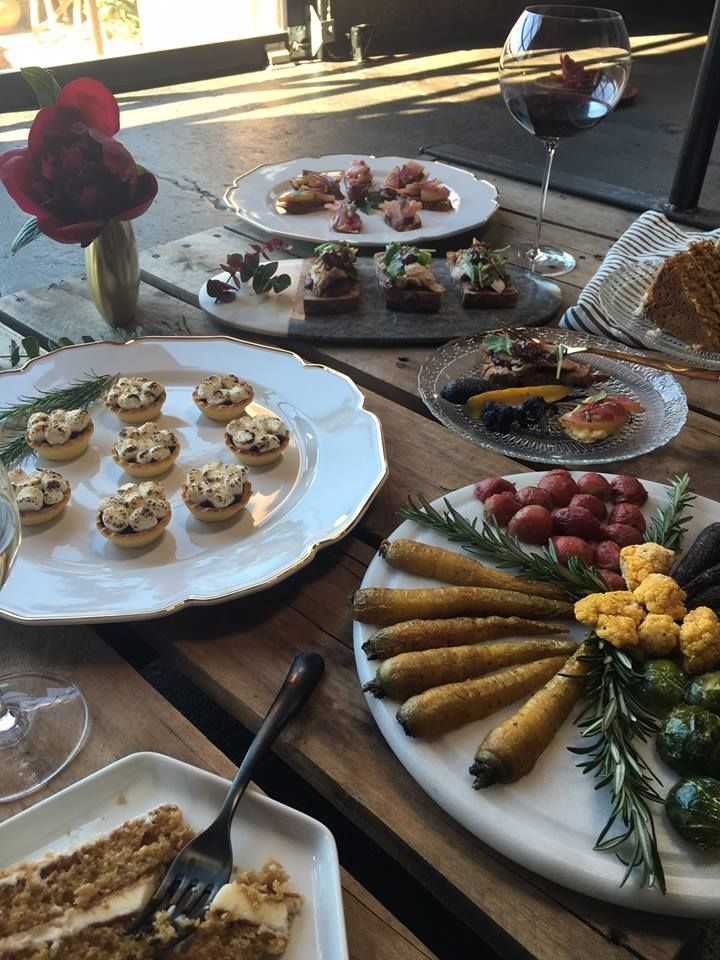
(77, 905)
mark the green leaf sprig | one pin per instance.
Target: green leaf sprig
(13, 420)
(246, 267)
(371, 201)
(614, 720)
(578, 579)
(669, 524)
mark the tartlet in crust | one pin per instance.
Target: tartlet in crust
(138, 538)
(140, 415)
(216, 514)
(256, 425)
(64, 451)
(138, 386)
(227, 410)
(151, 435)
(146, 471)
(46, 514)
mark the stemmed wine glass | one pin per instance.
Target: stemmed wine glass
(562, 70)
(43, 719)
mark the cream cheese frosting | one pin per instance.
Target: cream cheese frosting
(41, 488)
(259, 434)
(134, 393)
(137, 506)
(56, 427)
(216, 484)
(145, 444)
(225, 388)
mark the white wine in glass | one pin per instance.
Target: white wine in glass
(43, 719)
(563, 69)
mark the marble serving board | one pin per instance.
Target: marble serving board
(373, 322)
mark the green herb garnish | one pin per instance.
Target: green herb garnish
(371, 201)
(560, 351)
(670, 522)
(498, 343)
(395, 252)
(577, 579)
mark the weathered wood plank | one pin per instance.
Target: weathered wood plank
(113, 690)
(348, 761)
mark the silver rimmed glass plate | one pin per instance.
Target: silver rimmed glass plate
(335, 464)
(253, 197)
(622, 300)
(660, 393)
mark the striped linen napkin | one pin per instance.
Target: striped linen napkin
(651, 234)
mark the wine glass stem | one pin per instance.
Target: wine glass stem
(551, 147)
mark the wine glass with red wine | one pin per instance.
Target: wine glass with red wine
(562, 70)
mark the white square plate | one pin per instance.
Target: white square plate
(262, 828)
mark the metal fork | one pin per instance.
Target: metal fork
(205, 864)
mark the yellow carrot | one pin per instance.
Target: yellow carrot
(430, 634)
(383, 606)
(451, 567)
(511, 750)
(406, 674)
(440, 709)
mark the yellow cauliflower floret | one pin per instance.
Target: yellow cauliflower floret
(700, 640)
(641, 559)
(614, 603)
(619, 631)
(658, 634)
(660, 594)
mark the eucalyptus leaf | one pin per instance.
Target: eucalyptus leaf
(14, 353)
(25, 235)
(43, 84)
(281, 283)
(31, 347)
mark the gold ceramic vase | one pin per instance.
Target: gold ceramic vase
(113, 273)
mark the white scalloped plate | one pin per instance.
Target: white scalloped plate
(67, 573)
(549, 820)
(253, 197)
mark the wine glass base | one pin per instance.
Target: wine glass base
(43, 725)
(546, 261)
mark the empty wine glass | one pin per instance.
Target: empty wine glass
(562, 70)
(43, 719)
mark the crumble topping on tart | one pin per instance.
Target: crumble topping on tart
(134, 508)
(144, 444)
(56, 427)
(215, 484)
(220, 389)
(134, 393)
(39, 489)
(261, 434)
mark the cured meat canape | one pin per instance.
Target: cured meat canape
(406, 279)
(481, 273)
(331, 280)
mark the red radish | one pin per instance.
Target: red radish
(589, 502)
(622, 534)
(628, 513)
(613, 580)
(628, 490)
(607, 555)
(486, 488)
(576, 522)
(572, 547)
(535, 496)
(531, 524)
(595, 484)
(560, 485)
(502, 506)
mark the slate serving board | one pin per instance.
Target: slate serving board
(374, 322)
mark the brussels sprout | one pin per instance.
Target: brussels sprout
(689, 741)
(661, 686)
(693, 808)
(704, 692)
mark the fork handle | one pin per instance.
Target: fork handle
(693, 373)
(302, 678)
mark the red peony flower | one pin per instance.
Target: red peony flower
(73, 176)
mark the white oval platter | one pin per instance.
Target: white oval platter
(548, 821)
(253, 197)
(335, 464)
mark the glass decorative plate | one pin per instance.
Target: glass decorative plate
(660, 393)
(622, 298)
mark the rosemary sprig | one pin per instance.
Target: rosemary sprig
(613, 719)
(670, 522)
(577, 579)
(13, 420)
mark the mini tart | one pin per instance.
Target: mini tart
(33, 518)
(216, 514)
(138, 538)
(145, 471)
(223, 412)
(72, 448)
(141, 414)
(257, 459)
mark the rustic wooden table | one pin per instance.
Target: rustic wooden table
(238, 652)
